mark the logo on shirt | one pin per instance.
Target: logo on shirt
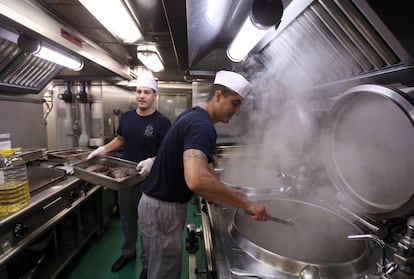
(149, 131)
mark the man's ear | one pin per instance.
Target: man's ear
(218, 95)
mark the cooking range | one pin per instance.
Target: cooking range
(38, 240)
(358, 225)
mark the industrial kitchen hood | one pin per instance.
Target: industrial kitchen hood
(318, 42)
(321, 41)
(21, 73)
(339, 41)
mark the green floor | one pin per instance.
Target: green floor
(96, 259)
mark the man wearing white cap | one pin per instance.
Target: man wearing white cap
(140, 133)
(183, 167)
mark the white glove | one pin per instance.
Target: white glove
(100, 151)
(144, 167)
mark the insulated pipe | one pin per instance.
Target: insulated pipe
(68, 121)
(83, 99)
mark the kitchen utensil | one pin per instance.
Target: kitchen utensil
(289, 221)
(243, 273)
(284, 221)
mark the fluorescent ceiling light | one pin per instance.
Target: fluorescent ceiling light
(247, 38)
(139, 70)
(214, 8)
(263, 16)
(59, 58)
(151, 60)
(149, 56)
(115, 17)
(35, 47)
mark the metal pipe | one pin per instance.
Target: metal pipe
(68, 121)
(377, 240)
(84, 136)
(379, 231)
(192, 266)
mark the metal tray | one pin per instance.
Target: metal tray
(29, 155)
(72, 153)
(104, 180)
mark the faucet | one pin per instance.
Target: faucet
(384, 270)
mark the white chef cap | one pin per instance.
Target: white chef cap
(147, 81)
(233, 81)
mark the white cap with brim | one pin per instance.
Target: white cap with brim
(147, 81)
(233, 81)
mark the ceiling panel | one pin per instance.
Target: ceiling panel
(152, 21)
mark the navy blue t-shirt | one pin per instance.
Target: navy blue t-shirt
(143, 134)
(193, 129)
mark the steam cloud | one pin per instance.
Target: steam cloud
(285, 129)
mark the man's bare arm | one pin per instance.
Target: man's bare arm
(202, 180)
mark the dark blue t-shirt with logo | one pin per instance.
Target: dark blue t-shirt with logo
(193, 129)
(143, 134)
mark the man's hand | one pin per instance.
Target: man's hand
(100, 151)
(258, 212)
(144, 167)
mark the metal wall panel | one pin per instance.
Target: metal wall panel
(22, 117)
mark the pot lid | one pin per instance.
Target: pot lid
(368, 141)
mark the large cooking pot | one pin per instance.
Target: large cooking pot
(367, 148)
(319, 237)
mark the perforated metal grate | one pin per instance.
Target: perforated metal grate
(334, 39)
(23, 72)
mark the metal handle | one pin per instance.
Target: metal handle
(242, 273)
(289, 221)
(207, 237)
(47, 206)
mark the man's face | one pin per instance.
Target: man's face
(228, 106)
(145, 97)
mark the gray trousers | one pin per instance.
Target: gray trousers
(128, 202)
(162, 225)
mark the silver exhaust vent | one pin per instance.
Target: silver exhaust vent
(332, 40)
(23, 73)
